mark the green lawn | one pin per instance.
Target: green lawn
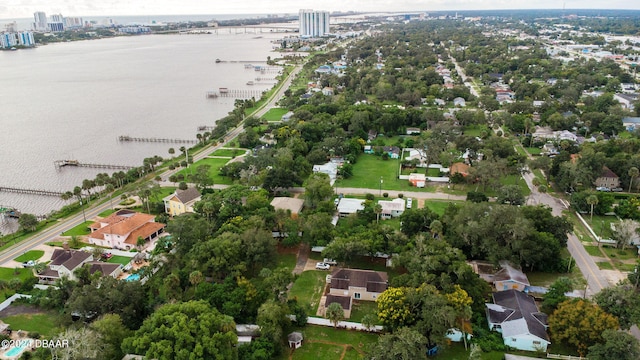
(514, 180)
(275, 114)
(79, 230)
(7, 274)
(312, 351)
(601, 225)
(593, 250)
(216, 164)
(41, 323)
(433, 172)
(362, 308)
(368, 170)
(475, 130)
(286, 261)
(308, 288)
(438, 206)
(456, 351)
(115, 259)
(228, 152)
(30, 255)
(620, 254)
(106, 213)
(357, 339)
(534, 150)
(604, 265)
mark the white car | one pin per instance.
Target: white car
(409, 203)
(330, 261)
(323, 266)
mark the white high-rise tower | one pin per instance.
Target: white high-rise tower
(314, 23)
(40, 21)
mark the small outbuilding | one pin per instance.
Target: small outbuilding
(295, 340)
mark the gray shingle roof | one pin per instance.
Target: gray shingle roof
(519, 314)
(373, 281)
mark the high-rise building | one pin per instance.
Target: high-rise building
(40, 21)
(314, 23)
(8, 40)
(11, 27)
(56, 23)
(25, 38)
(73, 22)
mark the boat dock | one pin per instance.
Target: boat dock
(30, 191)
(238, 94)
(161, 140)
(63, 163)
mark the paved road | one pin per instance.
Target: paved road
(595, 278)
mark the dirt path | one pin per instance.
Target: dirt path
(301, 259)
(19, 310)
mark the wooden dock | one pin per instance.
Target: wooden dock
(238, 94)
(30, 191)
(160, 140)
(62, 163)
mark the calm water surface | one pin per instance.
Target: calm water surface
(72, 100)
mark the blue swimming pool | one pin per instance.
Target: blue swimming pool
(133, 277)
(15, 351)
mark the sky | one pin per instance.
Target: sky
(10, 9)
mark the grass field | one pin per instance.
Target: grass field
(228, 152)
(275, 114)
(438, 207)
(534, 150)
(433, 172)
(601, 225)
(311, 351)
(30, 255)
(593, 250)
(79, 230)
(362, 308)
(368, 171)
(42, 323)
(106, 213)
(214, 171)
(604, 265)
(620, 254)
(115, 259)
(286, 261)
(308, 288)
(475, 130)
(7, 274)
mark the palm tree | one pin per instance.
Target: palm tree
(195, 277)
(172, 151)
(109, 189)
(592, 200)
(334, 313)
(378, 210)
(633, 173)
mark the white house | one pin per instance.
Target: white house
(391, 208)
(330, 168)
(516, 316)
(459, 102)
(348, 206)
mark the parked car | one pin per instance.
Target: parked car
(603, 188)
(409, 203)
(330, 261)
(29, 264)
(617, 189)
(323, 266)
(106, 256)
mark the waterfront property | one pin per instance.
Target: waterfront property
(123, 229)
(65, 262)
(181, 201)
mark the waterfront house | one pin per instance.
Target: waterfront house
(181, 201)
(515, 315)
(122, 229)
(63, 264)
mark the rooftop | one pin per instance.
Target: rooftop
(373, 281)
(518, 314)
(286, 203)
(350, 206)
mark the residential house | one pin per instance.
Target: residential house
(550, 150)
(368, 149)
(392, 151)
(330, 168)
(122, 229)
(607, 179)
(288, 116)
(459, 102)
(347, 285)
(327, 91)
(515, 315)
(538, 103)
(371, 135)
(413, 131)
(391, 208)
(417, 180)
(348, 206)
(440, 102)
(292, 205)
(626, 100)
(63, 264)
(459, 168)
(508, 277)
(181, 201)
(631, 123)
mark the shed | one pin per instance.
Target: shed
(295, 339)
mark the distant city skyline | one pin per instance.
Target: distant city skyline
(15, 9)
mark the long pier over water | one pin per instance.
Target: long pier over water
(238, 94)
(76, 163)
(30, 191)
(161, 140)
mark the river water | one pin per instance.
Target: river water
(72, 101)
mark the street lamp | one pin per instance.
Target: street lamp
(380, 186)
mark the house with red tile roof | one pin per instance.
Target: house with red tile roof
(122, 229)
